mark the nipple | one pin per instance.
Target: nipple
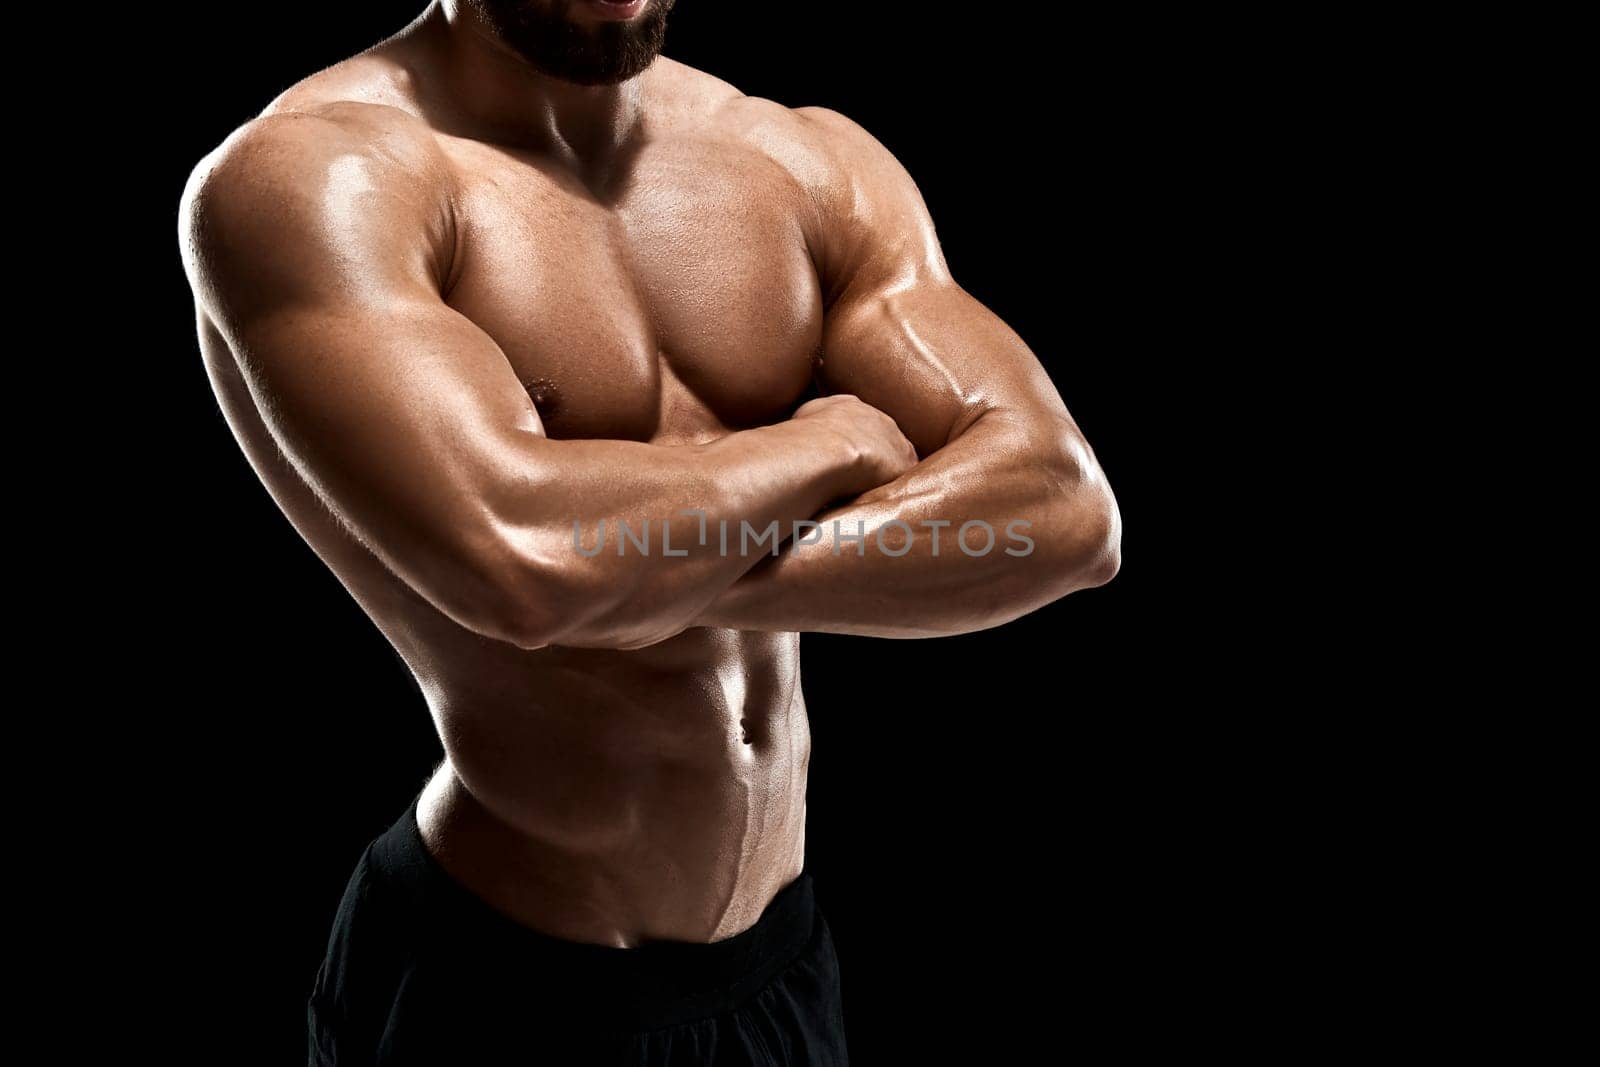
(542, 391)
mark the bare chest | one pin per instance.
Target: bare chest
(678, 303)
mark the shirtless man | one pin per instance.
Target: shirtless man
(508, 272)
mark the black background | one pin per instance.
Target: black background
(1015, 833)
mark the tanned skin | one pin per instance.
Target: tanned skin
(450, 305)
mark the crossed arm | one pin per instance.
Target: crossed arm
(998, 444)
(315, 246)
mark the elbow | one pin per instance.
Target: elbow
(1102, 558)
(523, 626)
(532, 600)
(533, 589)
(520, 597)
(516, 616)
(1089, 552)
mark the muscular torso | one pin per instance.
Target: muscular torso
(608, 796)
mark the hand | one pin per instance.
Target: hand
(881, 451)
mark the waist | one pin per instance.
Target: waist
(684, 853)
(654, 983)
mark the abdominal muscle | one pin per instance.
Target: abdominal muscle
(624, 797)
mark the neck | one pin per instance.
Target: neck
(499, 95)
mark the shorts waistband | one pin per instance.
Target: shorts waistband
(655, 984)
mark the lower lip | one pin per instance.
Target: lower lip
(611, 9)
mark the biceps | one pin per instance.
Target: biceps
(399, 419)
(932, 357)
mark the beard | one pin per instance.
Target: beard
(601, 53)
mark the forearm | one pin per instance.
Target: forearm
(1043, 524)
(621, 543)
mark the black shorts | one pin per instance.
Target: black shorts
(420, 971)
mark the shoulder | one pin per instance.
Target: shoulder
(843, 135)
(286, 156)
(305, 185)
(862, 205)
(811, 140)
(864, 216)
(861, 168)
(356, 121)
(362, 109)
(842, 166)
(860, 210)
